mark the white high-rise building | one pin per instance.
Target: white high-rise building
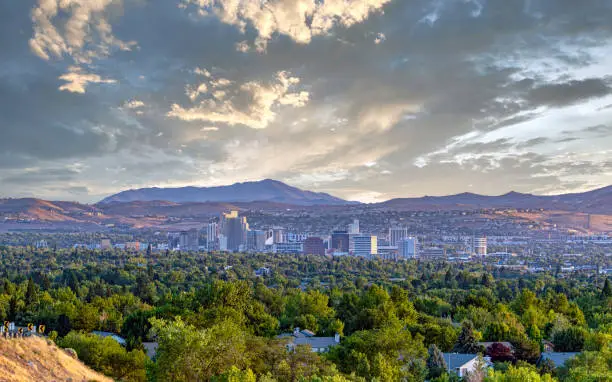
(212, 236)
(480, 246)
(353, 228)
(364, 245)
(396, 234)
(407, 248)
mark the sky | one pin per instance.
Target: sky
(365, 99)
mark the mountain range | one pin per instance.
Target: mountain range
(156, 207)
(267, 190)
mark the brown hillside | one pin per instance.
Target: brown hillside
(33, 359)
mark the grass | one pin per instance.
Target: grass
(36, 359)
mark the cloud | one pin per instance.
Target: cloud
(251, 104)
(566, 93)
(84, 35)
(301, 20)
(77, 80)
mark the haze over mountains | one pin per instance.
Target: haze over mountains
(267, 190)
(155, 207)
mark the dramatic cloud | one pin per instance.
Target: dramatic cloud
(77, 80)
(301, 20)
(85, 35)
(365, 99)
(251, 104)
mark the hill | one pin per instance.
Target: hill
(266, 190)
(597, 201)
(34, 359)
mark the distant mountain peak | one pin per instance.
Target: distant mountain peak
(270, 190)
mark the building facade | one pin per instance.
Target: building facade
(314, 246)
(364, 245)
(340, 241)
(407, 248)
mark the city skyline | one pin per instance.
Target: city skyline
(367, 101)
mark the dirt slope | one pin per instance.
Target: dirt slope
(33, 359)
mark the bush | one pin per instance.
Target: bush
(106, 356)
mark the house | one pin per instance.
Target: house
(462, 364)
(548, 346)
(263, 271)
(117, 338)
(308, 338)
(558, 359)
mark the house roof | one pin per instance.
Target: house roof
(315, 342)
(114, 336)
(557, 358)
(456, 360)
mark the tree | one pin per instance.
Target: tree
(188, 354)
(526, 350)
(467, 343)
(571, 339)
(30, 296)
(107, 356)
(517, 374)
(606, 291)
(500, 352)
(435, 362)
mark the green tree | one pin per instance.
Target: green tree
(571, 339)
(435, 362)
(107, 356)
(467, 342)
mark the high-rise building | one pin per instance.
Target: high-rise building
(105, 244)
(256, 241)
(407, 248)
(314, 246)
(364, 245)
(293, 248)
(234, 228)
(276, 235)
(480, 246)
(340, 241)
(396, 234)
(353, 228)
(212, 236)
(189, 240)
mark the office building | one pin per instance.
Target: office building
(387, 252)
(189, 240)
(314, 246)
(353, 228)
(364, 245)
(340, 241)
(433, 253)
(256, 241)
(480, 246)
(234, 228)
(212, 237)
(132, 246)
(407, 248)
(291, 248)
(276, 235)
(396, 234)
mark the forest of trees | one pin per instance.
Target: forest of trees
(215, 320)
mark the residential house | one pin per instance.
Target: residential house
(462, 364)
(558, 359)
(307, 337)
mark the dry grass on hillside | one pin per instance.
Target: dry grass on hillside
(33, 359)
